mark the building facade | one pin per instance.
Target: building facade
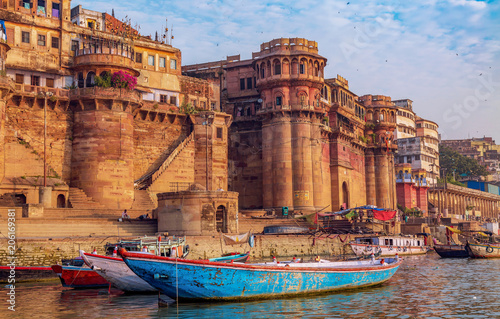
(300, 140)
(69, 142)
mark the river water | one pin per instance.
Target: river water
(423, 287)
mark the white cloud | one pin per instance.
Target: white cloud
(435, 49)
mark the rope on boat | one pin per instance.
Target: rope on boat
(176, 285)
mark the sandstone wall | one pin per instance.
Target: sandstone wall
(24, 129)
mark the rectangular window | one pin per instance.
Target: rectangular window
(41, 7)
(49, 82)
(55, 10)
(249, 83)
(173, 100)
(26, 4)
(242, 84)
(20, 78)
(302, 68)
(151, 60)
(262, 73)
(162, 62)
(138, 57)
(55, 42)
(219, 132)
(278, 100)
(35, 80)
(41, 40)
(173, 64)
(163, 98)
(74, 45)
(25, 37)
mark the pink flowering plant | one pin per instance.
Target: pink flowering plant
(123, 80)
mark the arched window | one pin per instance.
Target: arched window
(277, 67)
(90, 79)
(302, 67)
(81, 80)
(295, 66)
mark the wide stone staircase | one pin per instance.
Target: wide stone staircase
(78, 199)
(160, 166)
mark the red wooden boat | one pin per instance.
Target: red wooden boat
(78, 275)
(26, 273)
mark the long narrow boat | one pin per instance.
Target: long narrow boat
(451, 251)
(114, 270)
(79, 277)
(27, 273)
(389, 245)
(483, 250)
(205, 280)
(229, 258)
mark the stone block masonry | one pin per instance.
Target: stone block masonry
(49, 252)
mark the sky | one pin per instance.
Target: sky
(444, 55)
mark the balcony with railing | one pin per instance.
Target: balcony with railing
(104, 52)
(40, 91)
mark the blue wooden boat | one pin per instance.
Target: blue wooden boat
(201, 279)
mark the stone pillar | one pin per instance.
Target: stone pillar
(371, 193)
(267, 165)
(382, 180)
(320, 150)
(102, 158)
(45, 196)
(211, 149)
(302, 173)
(282, 164)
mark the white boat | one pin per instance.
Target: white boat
(115, 271)
(389, 245)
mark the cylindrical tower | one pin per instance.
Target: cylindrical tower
(371, 190)
(282, 163)
(289, 79)
(103, 150)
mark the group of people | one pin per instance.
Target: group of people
(125, 216)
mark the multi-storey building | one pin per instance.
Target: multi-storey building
(61, 136)
(483, 149)
(299, 140)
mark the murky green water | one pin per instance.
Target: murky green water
(423, 287)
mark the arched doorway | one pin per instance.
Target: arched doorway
(345, 195)
(221, 219)
(61, 201)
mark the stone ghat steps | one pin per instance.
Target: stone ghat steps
(142, 201)
(91, 227)
(78, 199)
(90, 213)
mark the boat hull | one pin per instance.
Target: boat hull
(483, 250)
(240, 258)
(79, 277)
(27, 273)
(387, 251)
(451, 251)
(115, 271)
(191, 279)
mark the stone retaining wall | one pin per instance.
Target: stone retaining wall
(49, 252)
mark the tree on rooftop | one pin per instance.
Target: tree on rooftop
(452, 161)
